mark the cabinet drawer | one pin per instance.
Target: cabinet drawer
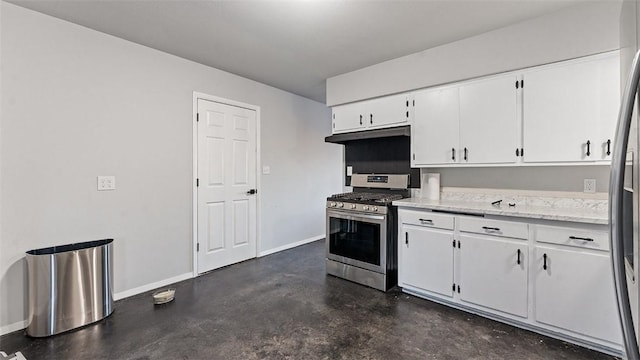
(573, 237)
(494, 227)
(427, 218)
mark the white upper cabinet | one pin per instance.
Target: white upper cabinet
(384, 112)
(562, 113)
(388, 111)
(570, 110)
(435, 130)
(475, 123)
(488, 121)
(348, 117)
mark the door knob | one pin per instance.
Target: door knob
(252, 191)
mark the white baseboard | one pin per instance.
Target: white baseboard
(13, 327)
(117, 296)
(144, 288)
(290, 246)
(155, 285)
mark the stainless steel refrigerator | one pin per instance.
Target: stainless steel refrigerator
(624, 192)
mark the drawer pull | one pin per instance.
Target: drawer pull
(491, 228)
(580, 238)
(544, 264)
(518, 261)
(426, 221)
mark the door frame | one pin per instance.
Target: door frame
(194, 212)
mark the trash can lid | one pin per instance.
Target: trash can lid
(69, 247)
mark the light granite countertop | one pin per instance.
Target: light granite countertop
(558, 209)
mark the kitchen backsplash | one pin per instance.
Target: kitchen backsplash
(390, 155)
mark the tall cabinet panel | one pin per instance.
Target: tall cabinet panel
(569, 110)
(435, 130)
(488, 119)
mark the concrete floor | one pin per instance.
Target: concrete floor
(283, 306)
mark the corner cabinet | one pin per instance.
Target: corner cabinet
(383, 112)
(548, 276)
(570, 110)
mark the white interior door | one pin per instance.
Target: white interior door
(226, 229)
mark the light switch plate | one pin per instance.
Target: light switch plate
(266, 170)
(349, 170)
(106, 183)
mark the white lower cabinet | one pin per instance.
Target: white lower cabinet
(548, 276)
(493, 273)
(574, 291)
(427, 259)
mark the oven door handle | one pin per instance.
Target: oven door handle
(357, 216)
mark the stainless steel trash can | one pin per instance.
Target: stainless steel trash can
(69, 286)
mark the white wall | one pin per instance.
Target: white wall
(544, 178)
(573, 32)
(78, 103)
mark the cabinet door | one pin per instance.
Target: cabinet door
(576, 292)
(426, 259)
(563, 109)
(348, 117)
(488, 119)
(435, 128)
(388, 111)
(493, 273)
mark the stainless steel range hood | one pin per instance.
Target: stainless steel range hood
(369, 134)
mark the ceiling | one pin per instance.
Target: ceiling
(293, 45)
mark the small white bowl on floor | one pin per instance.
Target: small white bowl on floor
(163, 296)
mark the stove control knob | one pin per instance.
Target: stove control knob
(340, 205)
(375, 208)
(353, 206)
(332, 204)
(365, 208)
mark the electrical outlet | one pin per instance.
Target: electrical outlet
(266, 170)
(589, 185)
(106, 183)
(349, 170)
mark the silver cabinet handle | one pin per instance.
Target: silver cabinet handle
(616, 190)
(426, 221)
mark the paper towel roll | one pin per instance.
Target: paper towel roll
(430, 186)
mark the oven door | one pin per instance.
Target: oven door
(357, 239)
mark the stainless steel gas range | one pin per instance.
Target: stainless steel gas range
(362, 231)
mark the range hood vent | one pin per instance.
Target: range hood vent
(369, 134)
